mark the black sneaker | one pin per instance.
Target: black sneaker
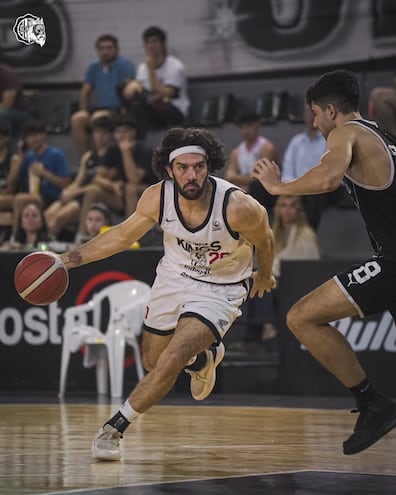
(374, 421)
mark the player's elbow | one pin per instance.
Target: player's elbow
(330, 184)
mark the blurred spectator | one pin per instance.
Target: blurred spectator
(31, 232)
(158, 96)
(66, 210)
(294, 240)
(131, 160)
(382, 106)
(125, 162)
(103, 77)
(98, 216)
(303, 152)
(13, 106)
(245, 155)
(10, 167)
(44, 172)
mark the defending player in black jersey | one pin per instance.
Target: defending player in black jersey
(364, 156)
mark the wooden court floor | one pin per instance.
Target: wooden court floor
(190, 449)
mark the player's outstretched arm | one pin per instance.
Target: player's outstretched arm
(121, 236)
(250, 219)
(324, 177)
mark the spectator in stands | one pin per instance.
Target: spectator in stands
(98, 216)
(158, 96)
(302, 153)
(125, 173)
(66, 210)
(13, 105)
(294, 240)
(44, 171)
(382, 106)
(10, 167)
(31, 232)
(245, 155)
(103, 77)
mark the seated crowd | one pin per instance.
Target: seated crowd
(118, 103)
(36, 181)
(117, 106)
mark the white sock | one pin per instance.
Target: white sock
(128, 412)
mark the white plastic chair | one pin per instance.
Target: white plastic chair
(127, 301)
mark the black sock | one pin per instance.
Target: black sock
(364, 392)
(119, 422)
(199, 363)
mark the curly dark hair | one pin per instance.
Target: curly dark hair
(178, 137)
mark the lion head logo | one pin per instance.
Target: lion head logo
(29, 29)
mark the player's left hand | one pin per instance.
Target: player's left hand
(268, 173)
(262, 284)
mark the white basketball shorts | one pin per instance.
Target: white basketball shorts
(218, 306)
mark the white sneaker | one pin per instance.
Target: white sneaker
(203, 381)
(106, 445)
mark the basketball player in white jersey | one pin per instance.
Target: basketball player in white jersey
(210, 229)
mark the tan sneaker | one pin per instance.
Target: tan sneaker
(203, 381)
(106, 445)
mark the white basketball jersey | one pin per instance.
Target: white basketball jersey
(211, 252)
(247, 158)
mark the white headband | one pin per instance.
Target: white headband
(186, 149)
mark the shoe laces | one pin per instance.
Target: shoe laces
(110, 435)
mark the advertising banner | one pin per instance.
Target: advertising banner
(31, 336)
(372, 338)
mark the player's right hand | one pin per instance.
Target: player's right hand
(262, 284)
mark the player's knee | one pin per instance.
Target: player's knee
(149, 361)
(296, 318)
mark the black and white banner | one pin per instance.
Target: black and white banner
(372, 338)
(212, 38)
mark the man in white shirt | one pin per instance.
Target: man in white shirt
(158, 96)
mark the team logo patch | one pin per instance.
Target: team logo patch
(29, 29)
(216, 225)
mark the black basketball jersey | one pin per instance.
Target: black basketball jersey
(378, 204)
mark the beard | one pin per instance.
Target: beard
(192, 190)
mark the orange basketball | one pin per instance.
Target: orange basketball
(41, 278)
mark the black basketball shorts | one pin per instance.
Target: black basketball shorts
(370, 286)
